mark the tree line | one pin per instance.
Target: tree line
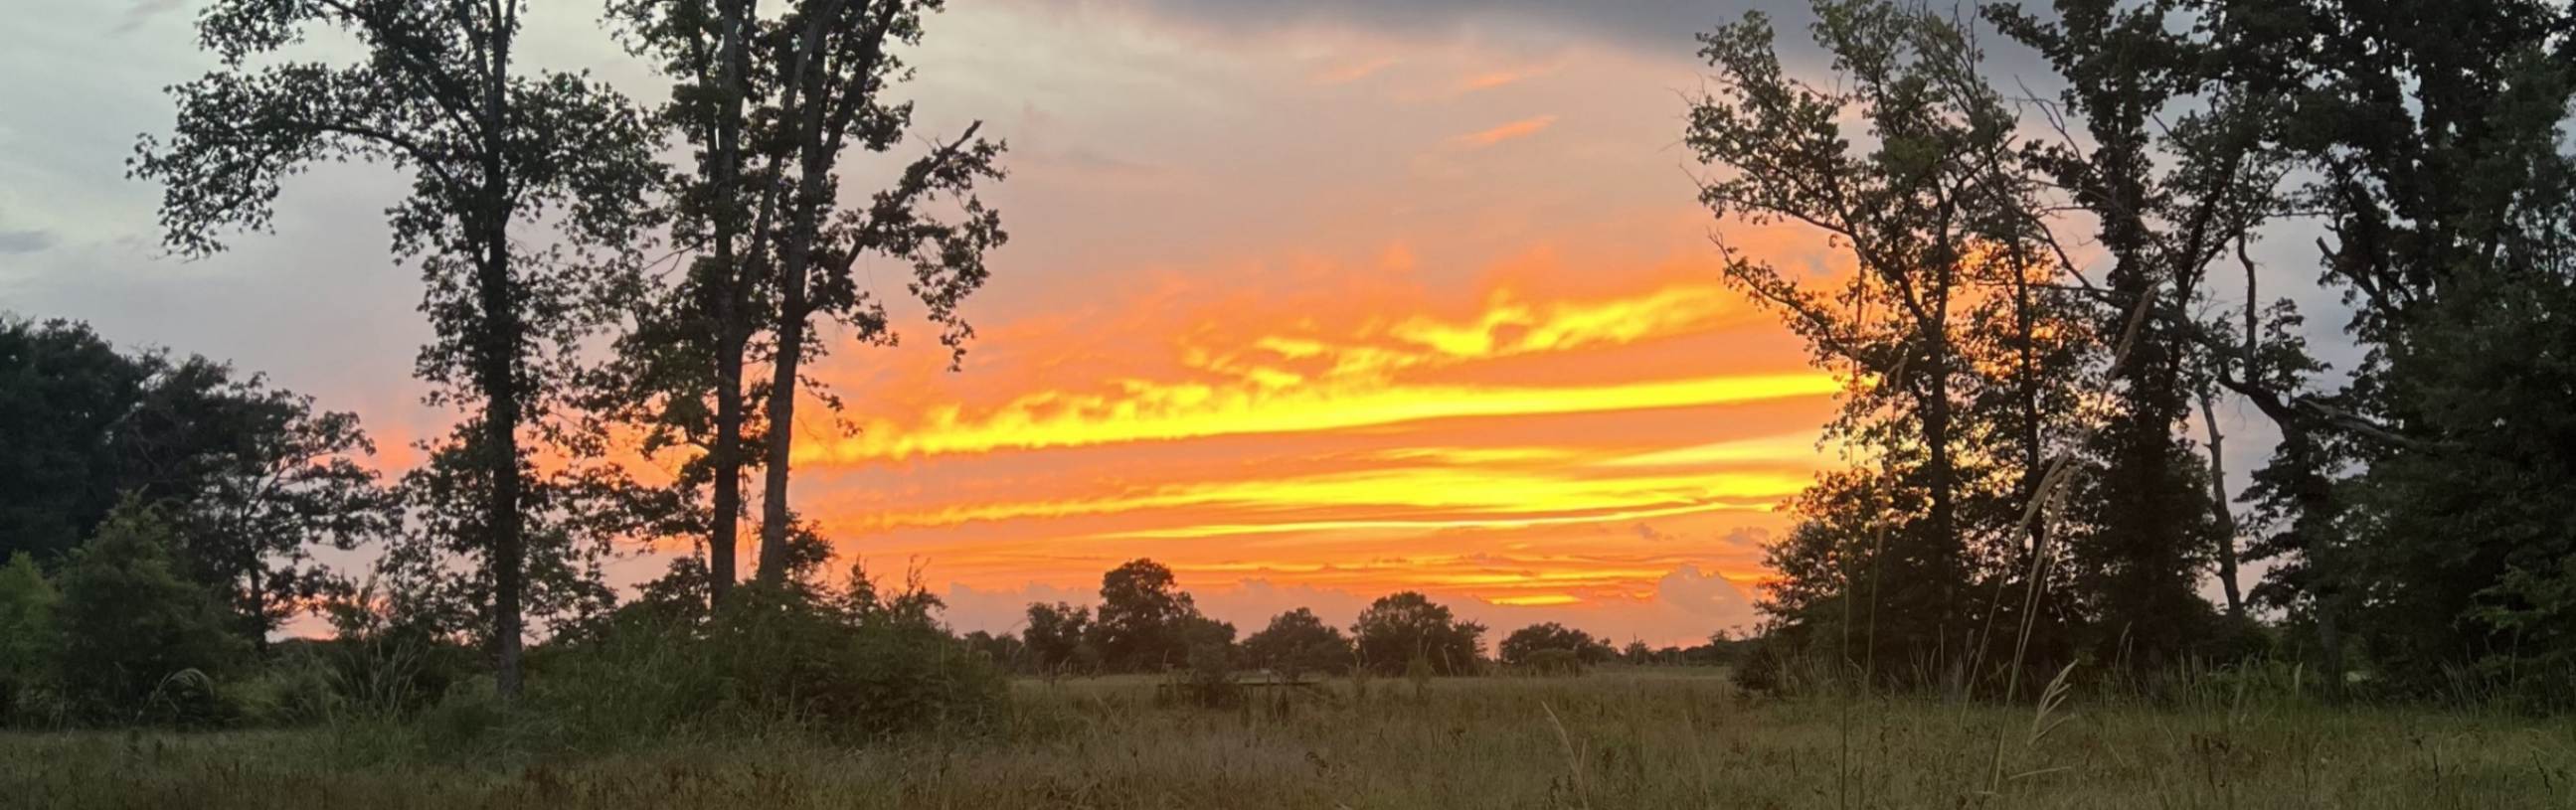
(1145, 623)
(2028, 491)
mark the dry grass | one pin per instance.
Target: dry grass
(1643, 739)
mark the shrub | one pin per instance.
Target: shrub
(139, 641)
(28, 637)
(771, 656)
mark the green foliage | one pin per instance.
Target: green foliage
(1407, 633)
(850, 664)
(139, 641)
(252, 479)
(63, 390)
(28, 636)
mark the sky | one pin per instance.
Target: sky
(1312, 302)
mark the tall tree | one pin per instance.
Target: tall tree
(1923, 195)
(773, 103)
(834, 63)
(680, 369)
(490, 147)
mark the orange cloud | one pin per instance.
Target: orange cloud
(1512, 131)
(1488, 80)
(1553, 434)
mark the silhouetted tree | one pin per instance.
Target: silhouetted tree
(489, 146)
(1517, 647)
(1143, 619)
(1296, 643)
(1907, 160)
(832, 61)
(1058, 637)
(1400, 629)
(252, 478)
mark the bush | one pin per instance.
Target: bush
(28, 638)
(847, 671)
(138, 641)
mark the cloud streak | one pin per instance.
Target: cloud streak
(1513, 131)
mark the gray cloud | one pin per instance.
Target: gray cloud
(1668, 27)
(1662, 25)
(144, 10)
(26, 241)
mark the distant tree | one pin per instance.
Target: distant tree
(138, 638)
(1003, 649)
(1517, 647)
(1637, 652)
(1402, 628)
(1057, 637)
(63, 391)
(1296, 643)
(1143, 616)
(29, 636)
(253, 479)
(489, 146)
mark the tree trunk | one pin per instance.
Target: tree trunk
(730, 316)
(812, 183)
(496, 371)
(2218, 504)
(2032, 452)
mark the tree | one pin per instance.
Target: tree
(1925, 193)
(1003, 649)
(680, 372)
(772, 104)
(2170, 196)
(489, 147)
(835, 63)
(1295, 643)
(63, 390)
(1056, 637)
(1517, 647)
(1402, 628)
(137, 636)
(252, 478)
(1143, 615)
(2436, 147)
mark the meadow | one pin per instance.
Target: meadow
(1616, 738)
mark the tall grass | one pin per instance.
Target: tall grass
(1620, 738)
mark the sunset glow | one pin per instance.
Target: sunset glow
(1421, 357)
(1312, 307)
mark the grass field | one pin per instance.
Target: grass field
(1637, 739)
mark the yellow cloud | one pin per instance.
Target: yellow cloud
(1144, 410)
